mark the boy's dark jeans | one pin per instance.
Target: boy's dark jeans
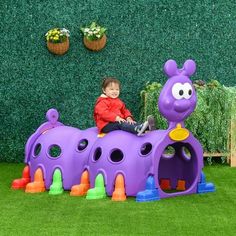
(125, 126)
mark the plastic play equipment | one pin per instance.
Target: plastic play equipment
(160, 164)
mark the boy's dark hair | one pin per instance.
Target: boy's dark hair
(106, 81)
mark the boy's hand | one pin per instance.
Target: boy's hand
(119, 119)
(130, 120)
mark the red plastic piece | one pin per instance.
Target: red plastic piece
(119, 192)
(82, 188)
(181, 185)
(165, 184)
(38, 185)
(22, 182)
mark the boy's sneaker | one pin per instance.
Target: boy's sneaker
(151, 123)
(142, 128)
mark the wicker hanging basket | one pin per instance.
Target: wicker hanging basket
(58, 48)
(95, 45)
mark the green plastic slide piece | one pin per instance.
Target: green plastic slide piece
(99, 190)
(56, 187)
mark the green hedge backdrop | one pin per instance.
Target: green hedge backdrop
(142, 35)
(211, 121)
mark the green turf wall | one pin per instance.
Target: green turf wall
(142, 35)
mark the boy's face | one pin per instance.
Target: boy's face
(112, 90)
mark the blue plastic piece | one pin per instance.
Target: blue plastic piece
(204, 187)
(203, 178)
(150, 193)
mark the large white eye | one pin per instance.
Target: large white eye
(178, 91)
(188, 90)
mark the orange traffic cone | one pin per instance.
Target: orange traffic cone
(181, 185)
(165, 184)
(119, 192)
(23, 181)
(82, 188)
(38, 185)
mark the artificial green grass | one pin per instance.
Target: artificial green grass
(43, 214)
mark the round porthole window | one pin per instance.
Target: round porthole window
(116, 155)
(54, 151)
(37, 149)
(186, 153)
(146, 148)
(97, 154)
(82, 144)
(169, 152)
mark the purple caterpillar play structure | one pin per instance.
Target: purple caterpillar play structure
(121, 164)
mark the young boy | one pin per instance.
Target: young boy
(110, 113)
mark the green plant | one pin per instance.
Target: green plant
(93, 31)
(57, 35)
(210, 122)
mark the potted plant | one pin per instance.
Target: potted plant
(58, 40)
(94, 36)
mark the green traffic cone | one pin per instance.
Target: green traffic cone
(56, 187)
(99, 190)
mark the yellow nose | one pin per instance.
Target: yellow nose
(101, 135)
(179, 133)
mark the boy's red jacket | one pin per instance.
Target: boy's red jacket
(107, 109)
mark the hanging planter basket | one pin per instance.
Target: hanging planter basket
(58, 40)
(95, 45)
(58, 48)
(94, 36)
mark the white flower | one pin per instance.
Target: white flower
(65, 32)
(98, 36)
(86, 30)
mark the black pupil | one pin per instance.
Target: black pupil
(189, 91)
(181, 92)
